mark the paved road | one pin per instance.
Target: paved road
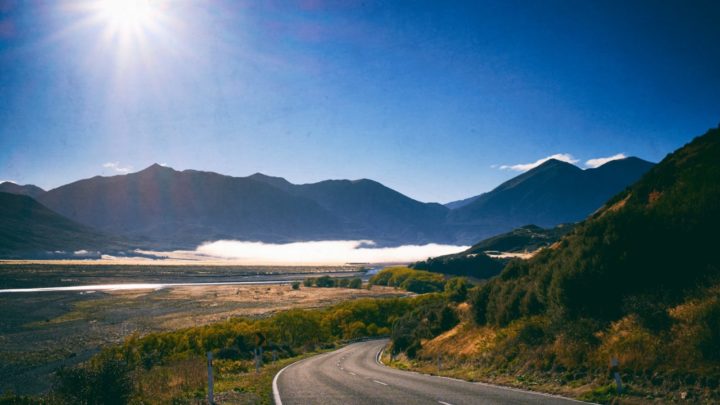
(352, 375)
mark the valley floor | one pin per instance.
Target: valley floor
(40, 332)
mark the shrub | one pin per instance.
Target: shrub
(456, 289)
(411, 280)
(355, 283)
(325, 281)
(296, 285)
(106, 383)
(309, 282)
(429, 318)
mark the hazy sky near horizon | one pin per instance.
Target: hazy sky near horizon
(438, 100)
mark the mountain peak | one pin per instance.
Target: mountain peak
(554, 163)
(27, 189)
(156, 167)
(278, 182)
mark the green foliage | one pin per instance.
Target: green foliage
(430, 317)
(456, 289)
(106, 383)
(290, 332)
(478, 265)
(355, 282)
(12, 399)
(325, 281)
(295, 285)
(155, 358)
(416, 281)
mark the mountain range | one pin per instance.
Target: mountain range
(160, 207)
(553, 193)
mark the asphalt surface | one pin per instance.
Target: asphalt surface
(353, 375)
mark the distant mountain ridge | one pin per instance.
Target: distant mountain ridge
(27, 189)
(182, 209)
(553, 193)
(29, 230)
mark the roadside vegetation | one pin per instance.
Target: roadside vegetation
(170, 367)
(416, 281)
(329, 282)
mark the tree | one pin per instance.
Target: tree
(355, 283)
(456, 289)
(325, 281)
(309, 282)
(296, 285)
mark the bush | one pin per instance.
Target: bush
(421, 286)
(429, 318)
(456, 289)
(106, 383)
(309, 282)
(296, 285)
(325, 282)
(479, 298)
(355, 283)
(416, 281)
(342, 282)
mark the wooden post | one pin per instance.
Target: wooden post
(211, 397)
(615, 369)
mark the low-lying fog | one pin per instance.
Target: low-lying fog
(320, 252)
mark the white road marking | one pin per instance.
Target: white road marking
(351, 373)
(444, 403)
(379, 382)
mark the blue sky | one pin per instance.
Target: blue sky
(434, 99)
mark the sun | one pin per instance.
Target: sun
(127, 15)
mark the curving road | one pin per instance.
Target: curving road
(352, 375)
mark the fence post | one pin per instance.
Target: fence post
(211, 397)
(615, 369)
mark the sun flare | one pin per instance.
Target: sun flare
(126, 15)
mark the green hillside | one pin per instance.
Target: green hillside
(655, 239)
(639, 280)
(475, 262)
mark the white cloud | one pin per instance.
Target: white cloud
(115, 166)
(597, 162)
(523, 167)
(8, 181)
(320, 252)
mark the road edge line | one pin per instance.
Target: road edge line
(276, 392)
(545, 394)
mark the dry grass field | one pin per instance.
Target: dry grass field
(40, 332)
